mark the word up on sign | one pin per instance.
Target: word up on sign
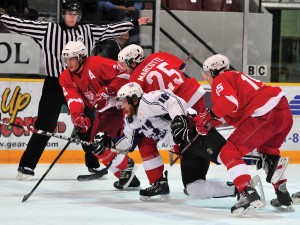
(257, 70)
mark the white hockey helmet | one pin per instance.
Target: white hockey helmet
(130, 91)
(215, 65)
(131, 54)
(74, 49)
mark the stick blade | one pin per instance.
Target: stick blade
(26, 197)
(95, 176)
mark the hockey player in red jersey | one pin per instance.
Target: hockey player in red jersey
(161, 71)
(94, 82)
(262, 118)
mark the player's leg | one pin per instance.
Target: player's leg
(122, 166)
(243, 140)
(49, 108)
(154, 167)
(250, 199)
(91, 161)
(274, 165)
(194, 168)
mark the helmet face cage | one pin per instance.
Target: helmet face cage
(131, 54)
(74, 49)
(129, 92)
(71, 6)
(214, 65)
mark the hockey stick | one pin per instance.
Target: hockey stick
(46, 133)
(184, 150)
(183, 65)
(97, 175)
(26, 197)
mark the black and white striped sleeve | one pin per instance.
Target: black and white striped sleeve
(31, 28)
(110, 31)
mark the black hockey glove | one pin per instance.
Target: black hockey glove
(101, 142)
(181, 130)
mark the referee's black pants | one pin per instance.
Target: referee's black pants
(50, 104)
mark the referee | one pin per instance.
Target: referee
(52, 37)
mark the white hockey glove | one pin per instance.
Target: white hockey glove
(101, 142)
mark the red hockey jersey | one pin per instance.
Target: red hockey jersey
(236, 96)
(161, 71)
(99, 74)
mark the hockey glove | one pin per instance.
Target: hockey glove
(269, 164)
(180, 129)
(102, 98)
(101, 142)
(81, 123)
(205, 121)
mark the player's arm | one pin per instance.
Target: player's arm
(112, 79)
(32, 28)
(115, 30)
(181, 127)
(173, 104)
(224, 103)
(125, 143)
(224, 99)
(75, 104)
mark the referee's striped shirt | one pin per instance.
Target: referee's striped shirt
(52, 37)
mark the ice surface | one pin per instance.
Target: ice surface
(61, 199)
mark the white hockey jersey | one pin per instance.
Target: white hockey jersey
(155, 113)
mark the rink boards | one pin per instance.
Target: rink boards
(19, 104)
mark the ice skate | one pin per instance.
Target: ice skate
(283, 202)
(128, 178)
(25, 173)
(249, 202)
(296, 198)
(134, 184)
(249, 199)
(159, 191)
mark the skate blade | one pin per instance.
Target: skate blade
(251, 209)
(157, 198)
(131, 189)
(25, 177)
(281, 167)
(282, 208)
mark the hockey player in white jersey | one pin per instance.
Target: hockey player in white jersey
(152, 115)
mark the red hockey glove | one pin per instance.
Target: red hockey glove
(205, 121)
(102, 98)
(81, 123)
